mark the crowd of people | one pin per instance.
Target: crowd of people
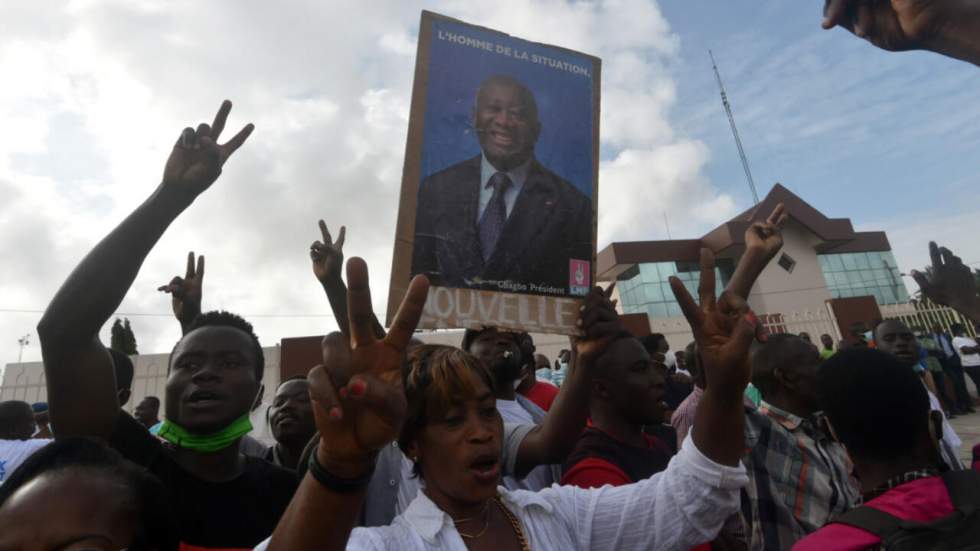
(742, 440)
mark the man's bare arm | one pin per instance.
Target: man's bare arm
(552, 440)
(187, 292)
(762, 241)
(328, 257)
(80, 378)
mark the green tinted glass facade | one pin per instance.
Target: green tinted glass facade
(860, 274)
(644, 288)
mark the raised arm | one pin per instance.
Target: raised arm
(762, 241)
(950, 282)
(947, 27)
(359, 405)
(552, 440)
(80, 379)
(328, 258)
(187, 292)
(724, 329)
(687, 504)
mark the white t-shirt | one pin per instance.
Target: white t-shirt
(966, 359)
(14, 452)
(540, 476)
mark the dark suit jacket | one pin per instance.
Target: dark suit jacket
(551, 223)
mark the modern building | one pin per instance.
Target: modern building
(824, 262)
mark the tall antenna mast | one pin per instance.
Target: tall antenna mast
(731, 121)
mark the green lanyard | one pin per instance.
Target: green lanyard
(206, 443)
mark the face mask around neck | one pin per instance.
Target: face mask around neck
(206, 443)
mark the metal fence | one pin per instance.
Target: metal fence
(926, 314)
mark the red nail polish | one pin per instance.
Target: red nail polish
(335, 413)
(358, 388)
(342, 392)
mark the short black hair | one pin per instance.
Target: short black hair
(879, 408)
(152, 399)
(291, 379)
(622, 334)
(470, 336)
(123, 367)
(221, 318)
(957, 328)
(777, 351)
(652, 342)
(156, 528)
(14, 416)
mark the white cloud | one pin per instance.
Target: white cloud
(96, 92)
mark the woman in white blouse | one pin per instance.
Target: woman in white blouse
(444, 416)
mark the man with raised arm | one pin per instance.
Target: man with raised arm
(223, 500)
(187, 294)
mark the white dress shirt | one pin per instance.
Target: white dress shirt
(968, 360)
(676, 509)
(517, 178)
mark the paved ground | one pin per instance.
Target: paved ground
(968, 429)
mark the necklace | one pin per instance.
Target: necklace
(478, 515)
(486, 523)
(514, 523)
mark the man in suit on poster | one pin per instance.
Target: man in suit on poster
(501, 220)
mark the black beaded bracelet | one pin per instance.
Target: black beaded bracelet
(335, 483)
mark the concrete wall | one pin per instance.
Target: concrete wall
(804, 290)
(26, 381)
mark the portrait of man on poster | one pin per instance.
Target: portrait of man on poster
(501, 220)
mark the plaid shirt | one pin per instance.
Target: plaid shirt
(799, 478)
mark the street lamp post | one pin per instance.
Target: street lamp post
(23, 341)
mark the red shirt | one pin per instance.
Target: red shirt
(922, 500)
(542, 394)
(594, 472)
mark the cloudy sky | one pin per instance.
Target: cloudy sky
(94, 93)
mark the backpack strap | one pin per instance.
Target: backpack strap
(964, 489)
(872, 520)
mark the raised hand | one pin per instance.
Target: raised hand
(357, 394)
(767, 236)
(948, 27)
(197, 158)
(762, 241)
(949, 282)
(328, 255)
(186, 292)
(723, 328)
(600, 322)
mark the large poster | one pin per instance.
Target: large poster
(498, 199)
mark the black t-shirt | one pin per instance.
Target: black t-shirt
(237, 514)
(637, 463)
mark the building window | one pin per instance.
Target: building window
(787, 263)
(645, 287)
(861, 274)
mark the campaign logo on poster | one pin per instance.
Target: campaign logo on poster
(578, 277)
